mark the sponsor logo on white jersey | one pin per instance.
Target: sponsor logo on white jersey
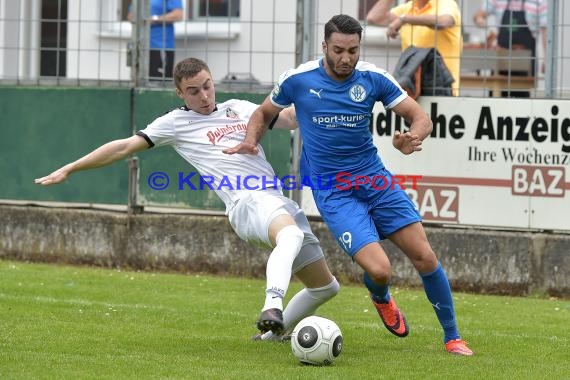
(215, 135)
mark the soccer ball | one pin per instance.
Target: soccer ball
(317, 341)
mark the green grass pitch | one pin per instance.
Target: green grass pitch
(63, 322)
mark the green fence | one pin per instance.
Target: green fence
(44, 128)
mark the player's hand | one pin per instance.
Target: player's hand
(407, 142)
(58, 176)
(393, 29)
(242, 148)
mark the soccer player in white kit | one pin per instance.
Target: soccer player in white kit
(255, 205)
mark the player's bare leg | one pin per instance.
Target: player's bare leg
(377, 274)
(412, 240)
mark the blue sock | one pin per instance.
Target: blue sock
(379, 293)
(438, 291)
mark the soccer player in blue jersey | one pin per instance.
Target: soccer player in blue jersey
(333, 98)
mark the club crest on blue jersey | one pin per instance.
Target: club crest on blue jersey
(231, 114)
(357, 93)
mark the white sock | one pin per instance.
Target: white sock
(306, 302)
(278, 271)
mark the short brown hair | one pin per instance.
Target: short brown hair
(188, 68)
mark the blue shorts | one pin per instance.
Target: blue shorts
(357, 217)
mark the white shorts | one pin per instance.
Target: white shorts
(253, 212)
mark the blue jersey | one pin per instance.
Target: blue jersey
(162, 34)
(335, 117)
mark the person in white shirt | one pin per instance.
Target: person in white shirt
(258, 212)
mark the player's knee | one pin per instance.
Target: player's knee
(290, 235)
(380, 275)
(425, 262)
(326, 292)
(332, 289)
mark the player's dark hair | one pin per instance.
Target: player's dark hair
(188, 68)
(344, 24)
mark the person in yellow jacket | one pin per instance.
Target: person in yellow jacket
(424, 24)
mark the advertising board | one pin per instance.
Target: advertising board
(488, 162)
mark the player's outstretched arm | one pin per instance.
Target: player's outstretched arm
(256, 127)
(420, 127)
(102, 156)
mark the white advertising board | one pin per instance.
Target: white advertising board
(500, 163)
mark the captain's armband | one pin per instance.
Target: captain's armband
(272, 124)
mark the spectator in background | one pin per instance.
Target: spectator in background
(519, 23)
(163, 15)
(424, 24)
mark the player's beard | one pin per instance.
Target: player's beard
(339, 71)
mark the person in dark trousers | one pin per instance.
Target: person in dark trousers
(520, 23)
(163, 15)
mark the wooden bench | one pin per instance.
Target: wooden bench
(497, 83)
(480, 68)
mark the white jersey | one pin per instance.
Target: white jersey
(200, 139)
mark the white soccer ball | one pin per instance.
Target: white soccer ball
(317, 341)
